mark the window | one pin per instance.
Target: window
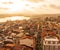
(49, 42)
(58, 42)
(53, 42)
(45, 42)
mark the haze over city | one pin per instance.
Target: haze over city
(29, 24)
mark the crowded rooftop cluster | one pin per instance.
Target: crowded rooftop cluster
(13, 31)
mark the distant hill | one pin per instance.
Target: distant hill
(32, 16)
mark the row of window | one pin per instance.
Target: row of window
(51, 42)
(51, 47)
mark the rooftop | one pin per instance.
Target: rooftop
(48, 38)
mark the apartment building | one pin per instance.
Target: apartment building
(51, 43)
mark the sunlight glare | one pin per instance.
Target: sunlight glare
(13, 18)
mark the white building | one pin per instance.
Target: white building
(51, 43)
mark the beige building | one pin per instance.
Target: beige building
(28, 42)
(51, 43)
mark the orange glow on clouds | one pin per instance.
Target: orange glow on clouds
(32, 6)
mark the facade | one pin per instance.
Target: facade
(51, 43)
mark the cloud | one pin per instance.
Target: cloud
(31, 7)
(35, 0)
(54, 6)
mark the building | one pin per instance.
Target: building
(51, 43)
(29, 43)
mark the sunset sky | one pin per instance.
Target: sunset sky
(29, 7)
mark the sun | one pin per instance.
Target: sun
(16, 5)
(13, 5)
